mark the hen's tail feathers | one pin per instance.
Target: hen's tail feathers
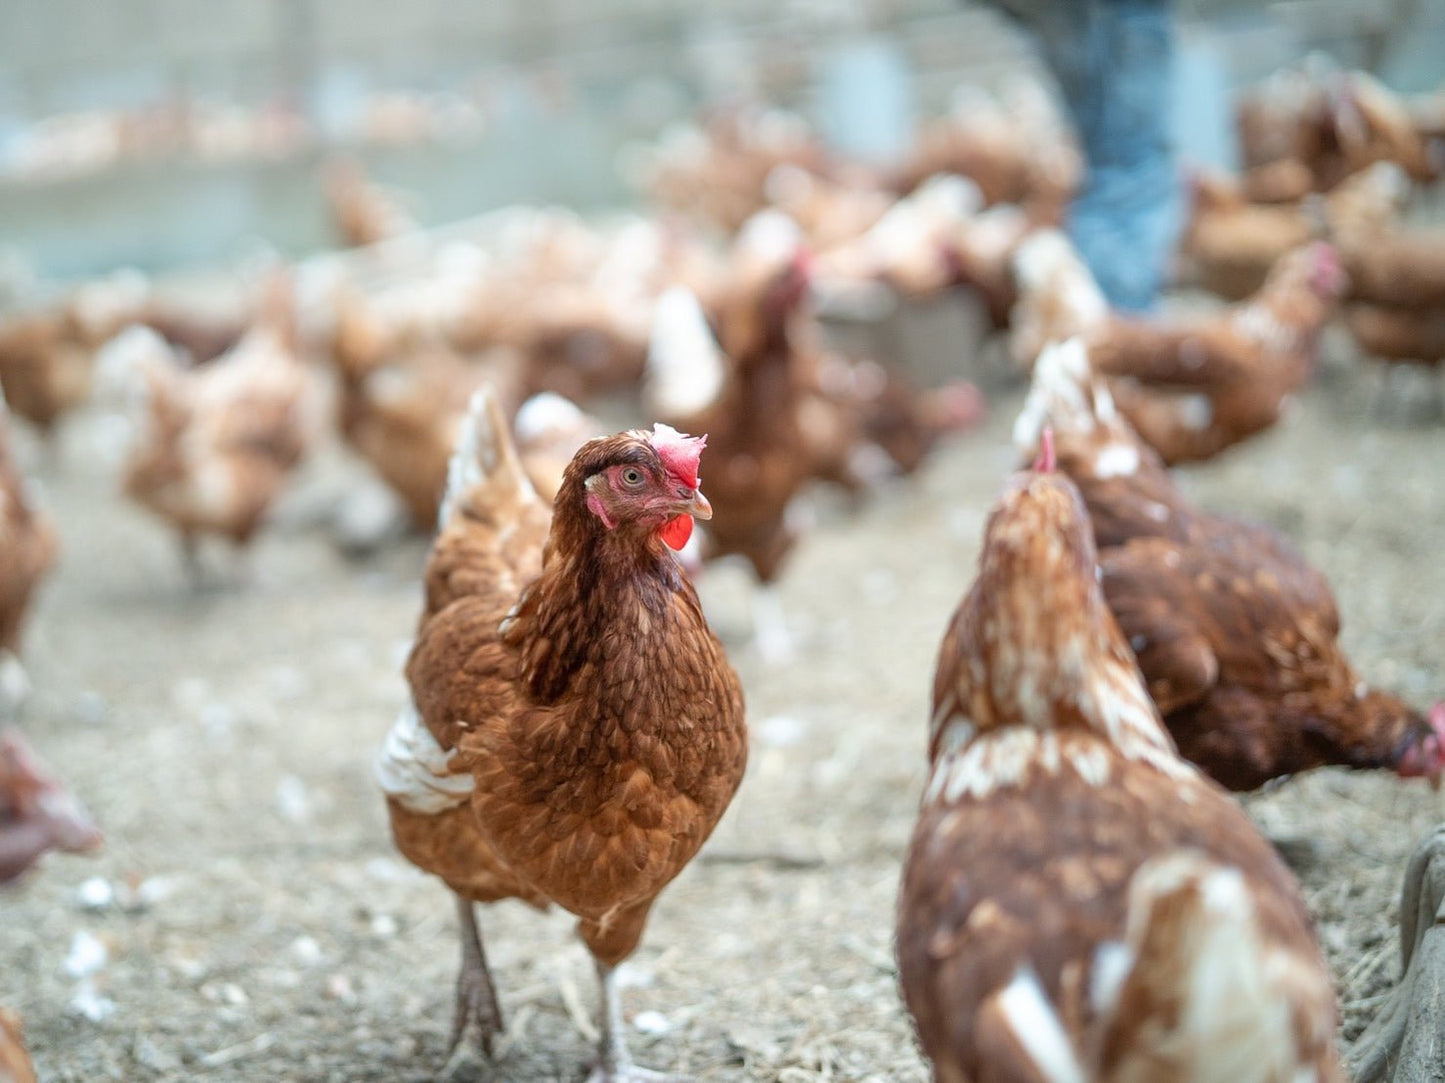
(685, 365)
(485, 456)
(1065, 396)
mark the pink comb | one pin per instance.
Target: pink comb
(679, 452)
(1046, 463)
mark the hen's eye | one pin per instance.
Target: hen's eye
(632, 476)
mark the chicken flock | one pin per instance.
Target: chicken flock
(1082, 898)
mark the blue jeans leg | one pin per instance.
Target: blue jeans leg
(1114, 61)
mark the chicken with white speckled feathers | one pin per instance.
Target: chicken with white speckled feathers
(1078, 902)
(1237, 636)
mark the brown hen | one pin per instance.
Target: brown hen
(1197, 386)
(745, 389)
(27, 543)
(1078, 903)
(1237, 637)
(218, 443)
(576, 730)
(15, 1066)
(37, 813)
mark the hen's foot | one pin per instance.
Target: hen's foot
(615, 1062)
(1401, 1042)
(478, 1018)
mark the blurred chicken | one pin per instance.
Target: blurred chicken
(400, 404)
(1237, 636)
(15, 1066)
(577, 301)
(37, 813)
(362, 212)
(1015, 148)
(27, 543)
(1402, 268)
(550, 429)
(575, 731)
(936, 238)
(1331, 124)
(46, 354)
(909, 247)
(828, 212)
(218, 443)
(745, 391)
(1285, 180)
(1195, 386)
(1078, 903)
(861, 420)
(1229, 244)
(1397, 274)
(718, 174)
(1410, 336)
(1374, 125)
(1057, 296)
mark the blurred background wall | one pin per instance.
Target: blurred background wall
(476, 104)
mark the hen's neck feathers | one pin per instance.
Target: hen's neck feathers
(599, 588)
(1036, 650)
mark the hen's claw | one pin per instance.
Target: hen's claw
(478, 1018)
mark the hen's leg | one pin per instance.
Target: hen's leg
(615, 1062)
(191, 559)
(14, 686)
(479, 1016)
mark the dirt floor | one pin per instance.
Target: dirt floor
(263, 927)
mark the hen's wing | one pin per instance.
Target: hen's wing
(1187, 355)
(1174, 651)
(489, 547)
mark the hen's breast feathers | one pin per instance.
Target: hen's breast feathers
(606, 786)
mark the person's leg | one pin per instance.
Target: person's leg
(1113, 60)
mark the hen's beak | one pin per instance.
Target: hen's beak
(696, 506)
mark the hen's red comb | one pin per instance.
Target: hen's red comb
(1046, 463)
(679, 452)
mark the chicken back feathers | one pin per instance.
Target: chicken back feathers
(1078, 903)
(1237, 636)
(577, 731)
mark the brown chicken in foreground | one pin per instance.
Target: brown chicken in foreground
(27, 543)
(575, 730)
(217, 443)
(1078, 903)
(1193, 387)
(1237, 637)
